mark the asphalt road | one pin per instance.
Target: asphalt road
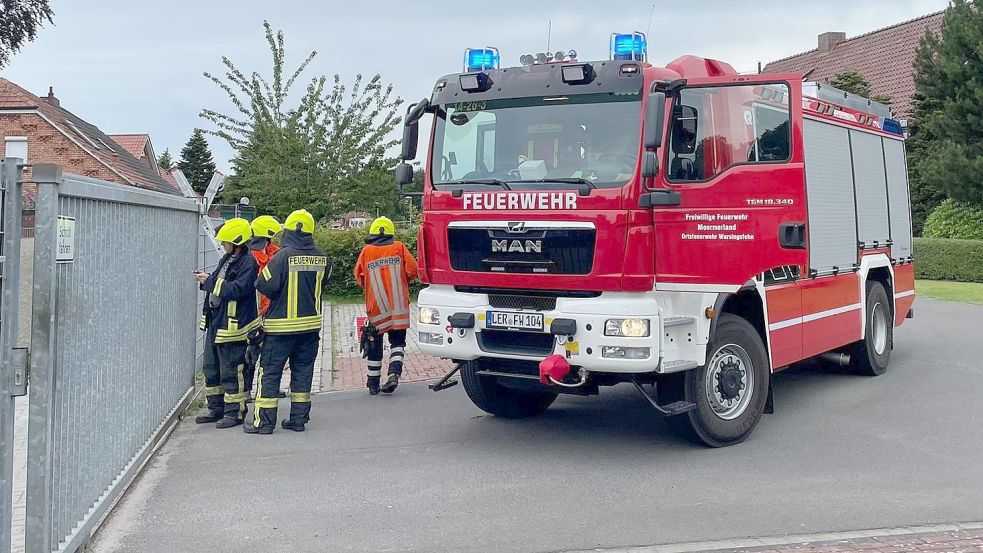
(421, 471)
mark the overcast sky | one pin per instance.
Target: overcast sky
(136, 67)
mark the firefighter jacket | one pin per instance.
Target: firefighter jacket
(230, 305)
(262, 259)
(292, 280)
(383, 270)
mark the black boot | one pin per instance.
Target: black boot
(208, 417)
(252, 429)
(372, 383)
(390, 385)
(228, 422)
(296, 426)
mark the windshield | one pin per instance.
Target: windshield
(591, 138)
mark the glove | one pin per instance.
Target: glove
(252, 354)
(370, 340)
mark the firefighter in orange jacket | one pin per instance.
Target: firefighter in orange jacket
(384, 269)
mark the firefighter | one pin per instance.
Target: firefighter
(265, 228)
(229, 315)
(292, 280)
(384, 269)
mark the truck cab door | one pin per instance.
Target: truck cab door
(733, 151)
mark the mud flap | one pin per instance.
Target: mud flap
(770, 402)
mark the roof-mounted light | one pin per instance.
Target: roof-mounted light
(474, 82)
(580, 73)
(480, 59)
(548, 57)
(632, 47)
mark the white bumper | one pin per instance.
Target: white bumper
(585, 349)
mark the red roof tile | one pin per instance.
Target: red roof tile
(884, 57)
(99, 144)
(133, 143)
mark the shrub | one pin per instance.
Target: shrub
(342, 248)
(949, 259)
(953, 219)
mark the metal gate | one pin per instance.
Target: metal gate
(11, 360)
(112, 356)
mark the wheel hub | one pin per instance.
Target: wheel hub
(729, 381)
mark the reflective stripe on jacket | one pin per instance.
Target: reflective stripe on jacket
(293, 280)
(384, 269)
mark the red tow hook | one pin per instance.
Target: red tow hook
(553, 369)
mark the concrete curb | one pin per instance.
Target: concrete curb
(326, 355)
(790, 540)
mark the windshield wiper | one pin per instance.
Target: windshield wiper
(495, 182)
(562, 180)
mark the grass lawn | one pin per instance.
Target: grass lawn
(965, 292)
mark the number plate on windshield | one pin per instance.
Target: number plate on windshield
(511, 320)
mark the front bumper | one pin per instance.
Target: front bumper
(584, 350)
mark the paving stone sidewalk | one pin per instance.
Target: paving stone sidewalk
(349, 367)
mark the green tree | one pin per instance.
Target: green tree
(851, 80)
(316, 151)
(946, 146)
(196, 162)
(165, 161)
(20, 21)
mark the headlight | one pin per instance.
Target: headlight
(628, 328)
(429, 316)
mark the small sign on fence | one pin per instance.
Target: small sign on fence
(66, 239)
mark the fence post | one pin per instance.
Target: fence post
(9, 287)
(43, 362)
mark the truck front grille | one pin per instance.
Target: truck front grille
(516, 343)
(537, 251)
(507, 301)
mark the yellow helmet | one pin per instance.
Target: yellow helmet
(235, 231)
(266, 226)
(382, 225)
(300, 220)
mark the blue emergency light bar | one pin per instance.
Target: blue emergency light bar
(892, 126)
(632, 47)
(480, 59)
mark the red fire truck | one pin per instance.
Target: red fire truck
(686, 229)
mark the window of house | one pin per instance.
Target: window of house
(16, 146)
(715, 128)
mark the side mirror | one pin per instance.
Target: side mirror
(404, 174)
(650, 164)
(411, 128)
(655, 115)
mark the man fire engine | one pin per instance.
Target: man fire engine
(685, 229)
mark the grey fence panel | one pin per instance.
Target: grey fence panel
(209, 254)
(10, 236)
(112, 348)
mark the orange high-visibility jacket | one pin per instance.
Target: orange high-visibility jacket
(263, 257)
(383, 270)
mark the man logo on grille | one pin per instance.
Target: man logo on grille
(517, 246)
(516, 227)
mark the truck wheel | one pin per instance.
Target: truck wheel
(491, 397)
(871, 355)
(730, 390)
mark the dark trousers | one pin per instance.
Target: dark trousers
(225, 385)
(301, 351)
(214, 392)
(397, 345)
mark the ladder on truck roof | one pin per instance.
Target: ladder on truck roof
(824, 91)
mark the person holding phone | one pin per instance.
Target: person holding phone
(229, 315)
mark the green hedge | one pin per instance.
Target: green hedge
(954, 220)
(949, 259)
(342, 248)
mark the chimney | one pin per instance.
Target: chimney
(50, 98)
(828, 41)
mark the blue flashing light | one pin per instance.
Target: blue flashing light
(631, 47)
(892, 126)
(480, 59)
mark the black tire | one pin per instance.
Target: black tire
(491, 397)
(734, 339)
(871, 356)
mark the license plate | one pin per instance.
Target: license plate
(511, 320)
